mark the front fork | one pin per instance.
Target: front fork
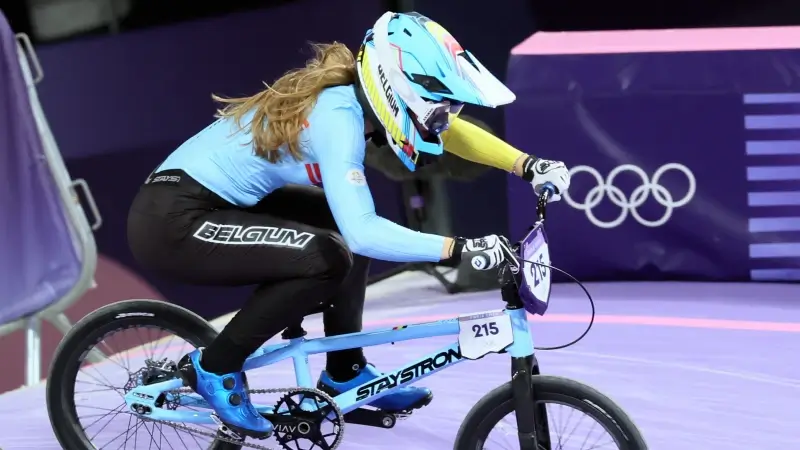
(532, 426)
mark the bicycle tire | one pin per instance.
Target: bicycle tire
(60, 393)
(498, 403)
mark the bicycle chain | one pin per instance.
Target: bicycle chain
(220, 437)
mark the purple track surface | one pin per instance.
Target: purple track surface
(710, 366)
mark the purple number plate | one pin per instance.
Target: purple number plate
(536, 279)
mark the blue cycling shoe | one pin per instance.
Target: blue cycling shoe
(227, 394)
(404, 399)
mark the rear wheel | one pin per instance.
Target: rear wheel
(104, 356)
(491, 423)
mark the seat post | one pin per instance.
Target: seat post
(294, 332)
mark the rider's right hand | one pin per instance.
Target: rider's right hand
(486, 253)
(540, 172)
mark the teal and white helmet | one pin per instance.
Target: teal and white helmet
(416, 77)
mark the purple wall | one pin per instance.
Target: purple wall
(682, 167)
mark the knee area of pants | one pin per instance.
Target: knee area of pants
(337, 259)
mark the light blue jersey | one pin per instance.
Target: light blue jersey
(333, 145)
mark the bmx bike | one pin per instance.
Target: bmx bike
(154, 396)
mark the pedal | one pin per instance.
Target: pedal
(232, 433)
(371, 418)
(224, 431)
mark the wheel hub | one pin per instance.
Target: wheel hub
(155, 372)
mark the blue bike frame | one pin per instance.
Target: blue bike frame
(531, 417)
(298, 350)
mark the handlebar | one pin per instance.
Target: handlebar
(546, 191)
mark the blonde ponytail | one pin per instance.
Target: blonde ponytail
(284, 106)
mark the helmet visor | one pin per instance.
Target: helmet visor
(439, 120)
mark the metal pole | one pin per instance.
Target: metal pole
(400, 5)
(33, 350)
(113, 17)
(405, 5)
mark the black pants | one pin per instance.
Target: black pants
(288, 245)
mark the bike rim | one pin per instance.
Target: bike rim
(583, 432)
(107, 370)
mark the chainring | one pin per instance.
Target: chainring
(293, 423)
(289, 392)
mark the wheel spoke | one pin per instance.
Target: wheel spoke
(578, 418)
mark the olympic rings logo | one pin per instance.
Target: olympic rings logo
(637, 197)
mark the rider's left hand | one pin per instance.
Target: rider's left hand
(540, 171)
(487, 252)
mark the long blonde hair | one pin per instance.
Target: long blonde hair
(284, 106)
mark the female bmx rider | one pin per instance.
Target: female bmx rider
(273, 193)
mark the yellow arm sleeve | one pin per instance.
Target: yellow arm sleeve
(474, 144)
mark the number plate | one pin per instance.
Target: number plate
(483, 333)
(537, 278)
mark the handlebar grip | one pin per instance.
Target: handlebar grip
(549, 189)
(480, 262)
(545, 192)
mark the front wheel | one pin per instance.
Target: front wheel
(492, 424)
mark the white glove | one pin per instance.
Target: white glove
(488, 252)
(541, 171)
